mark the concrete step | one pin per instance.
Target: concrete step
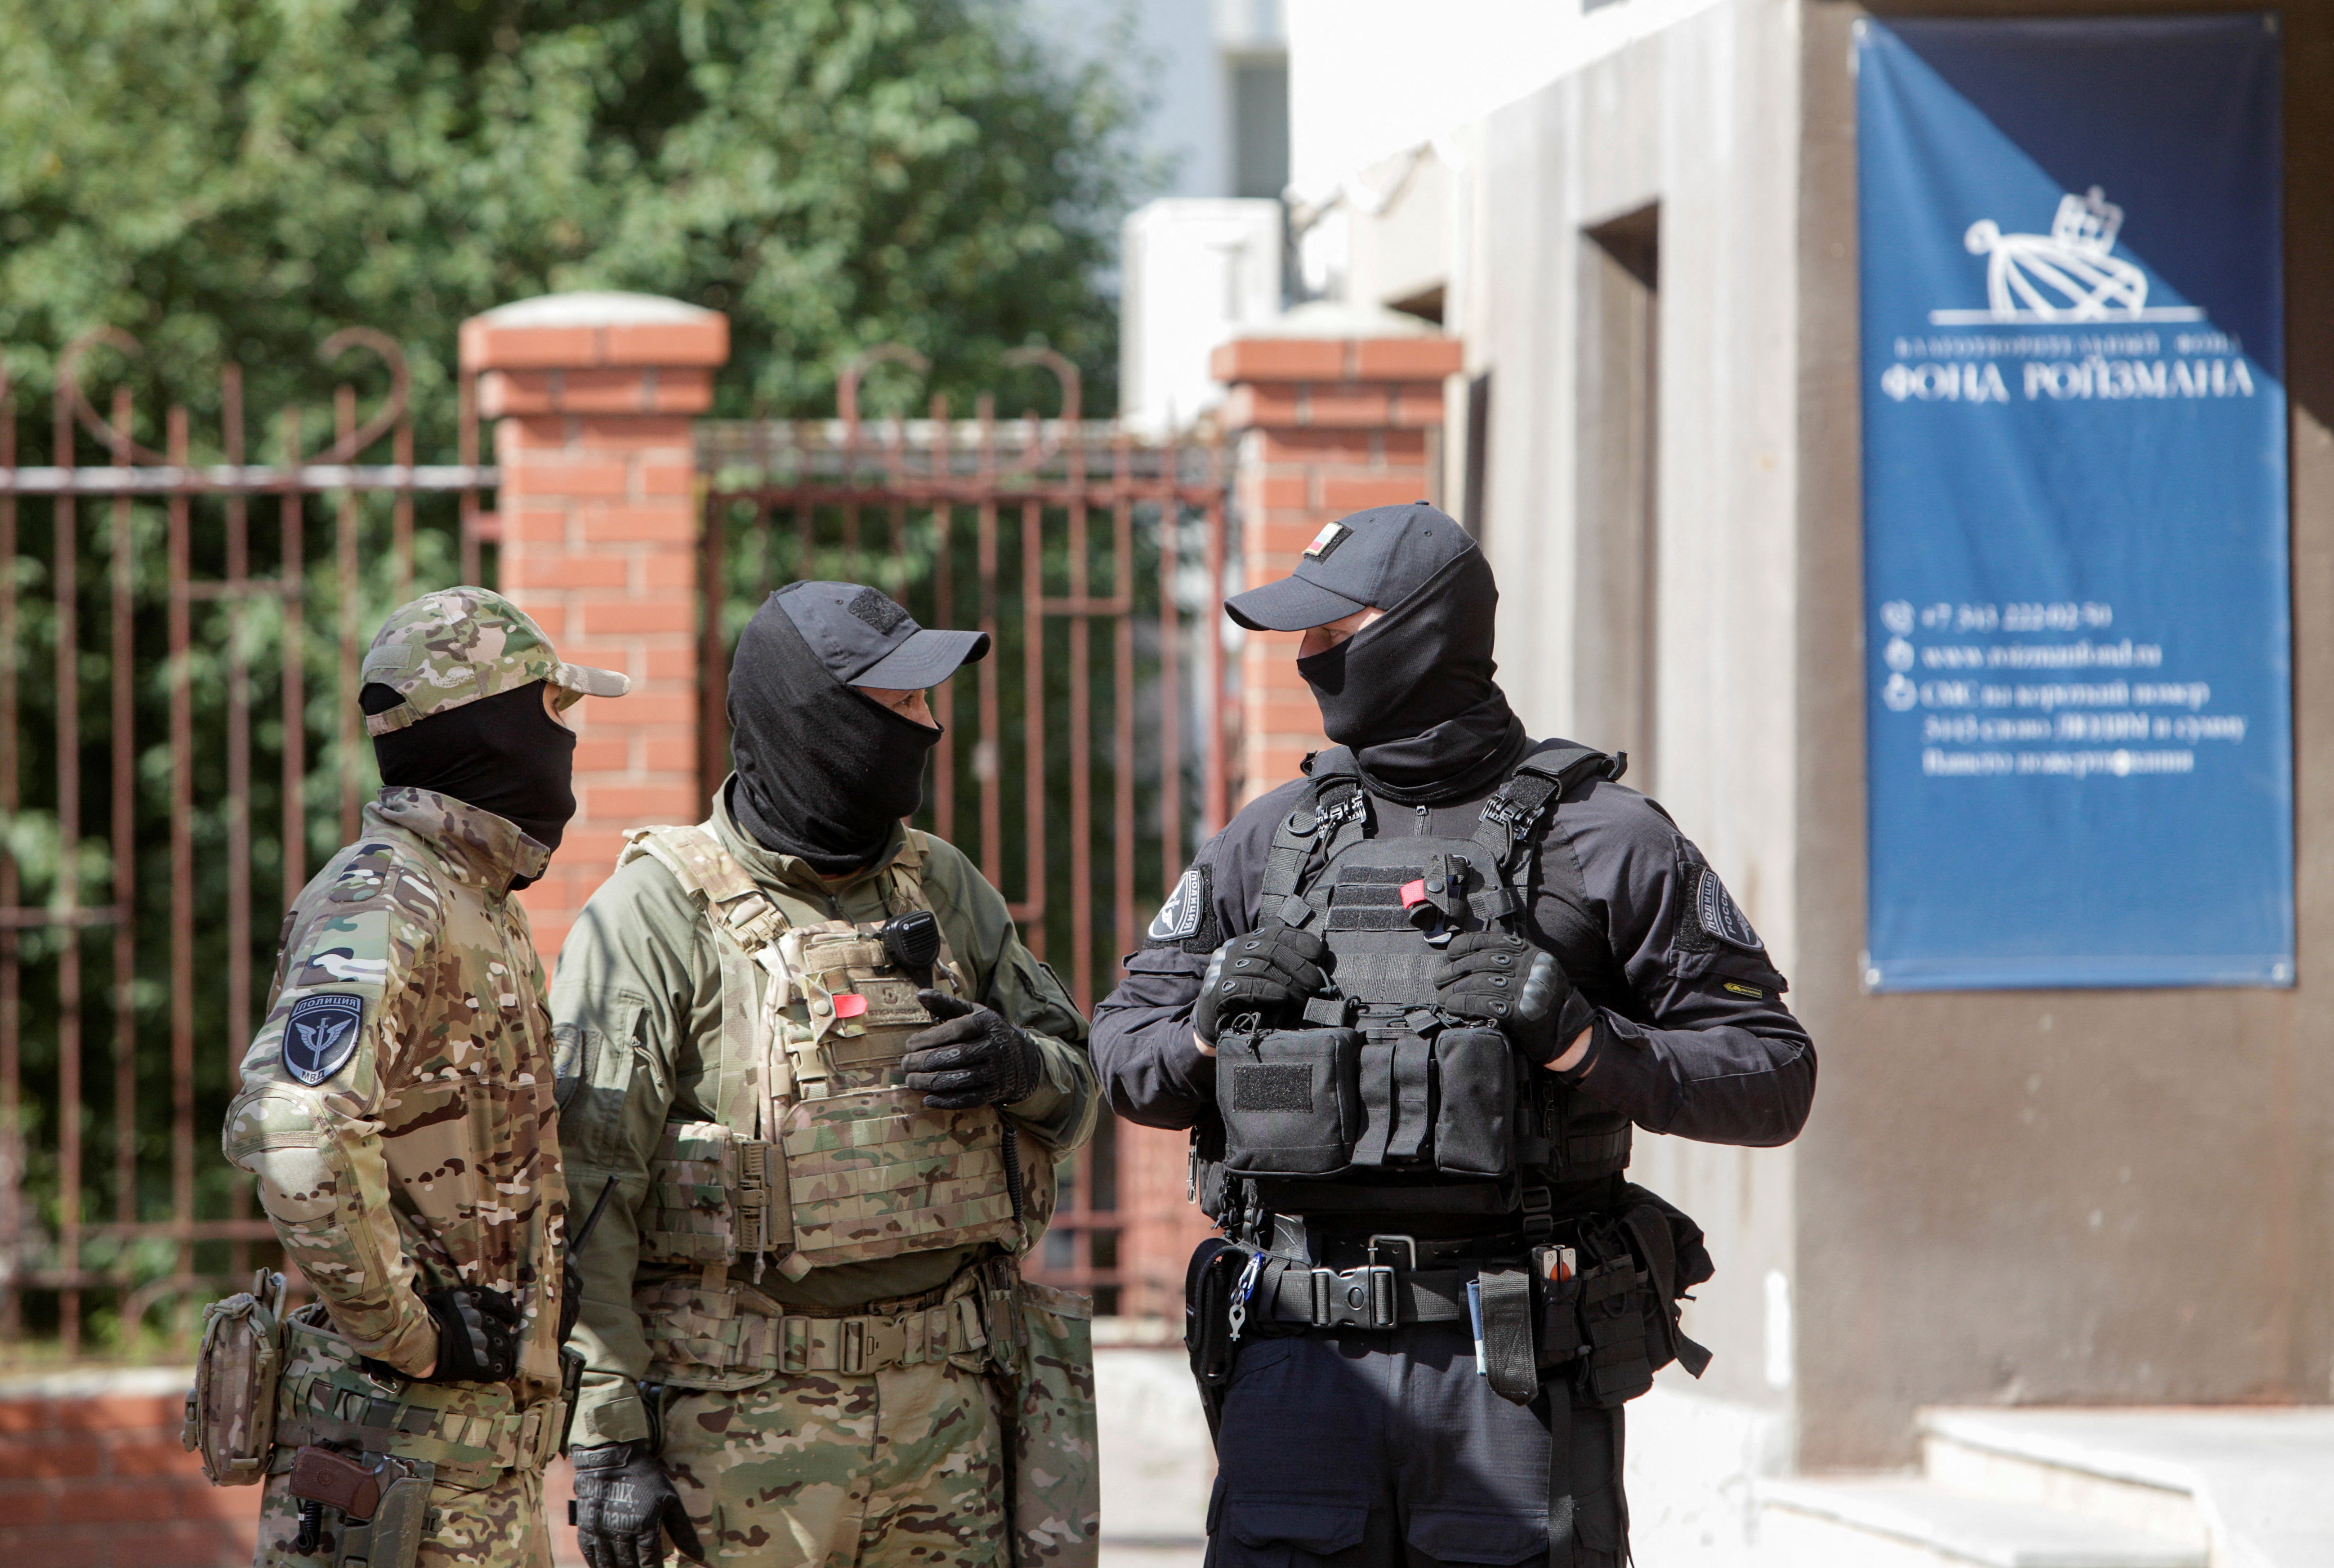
(1905, 1522)
(2249, 1485)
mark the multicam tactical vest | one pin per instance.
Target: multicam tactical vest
(1376, 1101)
(818, 1154)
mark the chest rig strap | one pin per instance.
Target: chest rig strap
(1312, 836)
(1517, 815)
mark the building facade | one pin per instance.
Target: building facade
(1641, 220)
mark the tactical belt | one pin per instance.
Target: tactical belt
(1373, 1296)
(856, 1346)
(318, 1411)
(736, 1332)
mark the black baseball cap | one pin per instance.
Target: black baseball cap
(1377, 557)
(865, 639)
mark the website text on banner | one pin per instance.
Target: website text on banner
(2079, 752)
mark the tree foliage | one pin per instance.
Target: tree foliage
(237, 178)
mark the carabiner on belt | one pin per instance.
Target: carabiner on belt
(1241, 1289)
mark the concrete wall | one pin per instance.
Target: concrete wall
(1702, 119)
(2051, 1196)
(2022, 1197)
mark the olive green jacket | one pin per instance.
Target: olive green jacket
(636, 1008)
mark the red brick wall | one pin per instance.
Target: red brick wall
(91, 1475)
(1332, 425)
(600, 544)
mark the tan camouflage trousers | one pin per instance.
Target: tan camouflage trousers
(500, 1526)
(900, 1468)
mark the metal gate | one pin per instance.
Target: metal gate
(180, 638)
(1086, 756)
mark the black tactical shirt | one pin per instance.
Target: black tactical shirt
(1692, 1035)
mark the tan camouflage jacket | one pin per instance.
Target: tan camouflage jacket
(396, 1104)
(637, 1003)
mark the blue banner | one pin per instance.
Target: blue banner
(2079, 714)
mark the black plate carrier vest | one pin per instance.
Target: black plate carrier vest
(1376, 1101)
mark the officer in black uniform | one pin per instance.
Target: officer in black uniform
(1411, 1005)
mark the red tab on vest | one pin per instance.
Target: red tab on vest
(1413, 894)
(849, 1004)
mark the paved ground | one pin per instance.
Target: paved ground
(1157, 1464)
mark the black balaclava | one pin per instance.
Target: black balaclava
(1413, 694)
(824, 773)
(502, 754)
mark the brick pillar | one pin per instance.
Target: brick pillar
(1330, 425)
(596, 395)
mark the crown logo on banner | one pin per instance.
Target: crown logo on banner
(2087, 225)
(2069, 274)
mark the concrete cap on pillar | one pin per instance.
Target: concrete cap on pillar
(594, 330)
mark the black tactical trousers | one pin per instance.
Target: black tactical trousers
(1381, 1450)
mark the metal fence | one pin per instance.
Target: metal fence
(180, 638)
(1086, 755)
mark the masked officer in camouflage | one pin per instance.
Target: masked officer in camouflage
(396, 1105)
(792, 1315)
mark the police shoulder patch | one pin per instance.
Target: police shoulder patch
(1720, 917)
(321, 1034)
(1179, 918)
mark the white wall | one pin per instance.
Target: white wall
(1192, 272)
(1703, 118)
(1371, 78)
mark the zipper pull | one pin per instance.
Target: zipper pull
(1420, 832)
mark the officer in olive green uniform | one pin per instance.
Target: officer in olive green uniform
(396, 1108)
(800, 1333)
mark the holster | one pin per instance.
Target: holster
(1207, 1319)
(383, 1502)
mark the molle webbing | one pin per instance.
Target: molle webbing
(817, 1153)
(1377, 1079)
(468, 1428)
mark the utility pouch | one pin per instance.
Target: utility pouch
(1289, 1100)
(1056, 1481)
(1670, 1247)
(713, 1197)
(1613, 1302)
(231, 1410)
(1475, 1108)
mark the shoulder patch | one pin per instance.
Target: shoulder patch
(1715, 915)
(321, 1034)
(1179, 918)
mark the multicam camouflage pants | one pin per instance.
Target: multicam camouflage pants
(500, 1525)
(898, 1468)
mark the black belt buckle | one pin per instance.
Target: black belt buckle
(1360, 1298)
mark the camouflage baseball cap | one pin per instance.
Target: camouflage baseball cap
(460, 644)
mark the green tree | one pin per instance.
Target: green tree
(238, 178)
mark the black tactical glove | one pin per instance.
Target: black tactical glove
(477, 1337)
(1504, 980)
(625, 1505)
(1273, 968)
(971, 1057)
